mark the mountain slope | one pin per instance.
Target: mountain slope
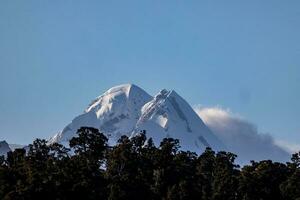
(4, 148)
(127, 109)
(169, 115)
(115, 113)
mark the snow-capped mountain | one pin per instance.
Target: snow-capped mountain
(169, 115)
(4, 148)
(115, 113)
(128, 109)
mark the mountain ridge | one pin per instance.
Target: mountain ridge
(128, 109)
(4, 148)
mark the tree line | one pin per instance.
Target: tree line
(135, 169)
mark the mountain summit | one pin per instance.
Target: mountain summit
(127, 110)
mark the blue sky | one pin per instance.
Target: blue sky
(56, 56)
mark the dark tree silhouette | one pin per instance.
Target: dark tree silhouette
(135, 168)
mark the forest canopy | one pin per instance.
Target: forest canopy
(135, 168)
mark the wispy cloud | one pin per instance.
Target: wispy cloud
(290, 147)
(241, 136)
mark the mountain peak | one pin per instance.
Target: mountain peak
(4, 148)
(164, 93)
(115, 112)
(128, 109)
(169, 115)
(120, 93)
(125, 88)
(3, 142)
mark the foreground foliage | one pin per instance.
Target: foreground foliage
(136, 169)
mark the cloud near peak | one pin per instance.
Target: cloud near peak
(241, 136)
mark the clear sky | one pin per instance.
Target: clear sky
(56, 56)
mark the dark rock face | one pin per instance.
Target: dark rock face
(4, 148)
